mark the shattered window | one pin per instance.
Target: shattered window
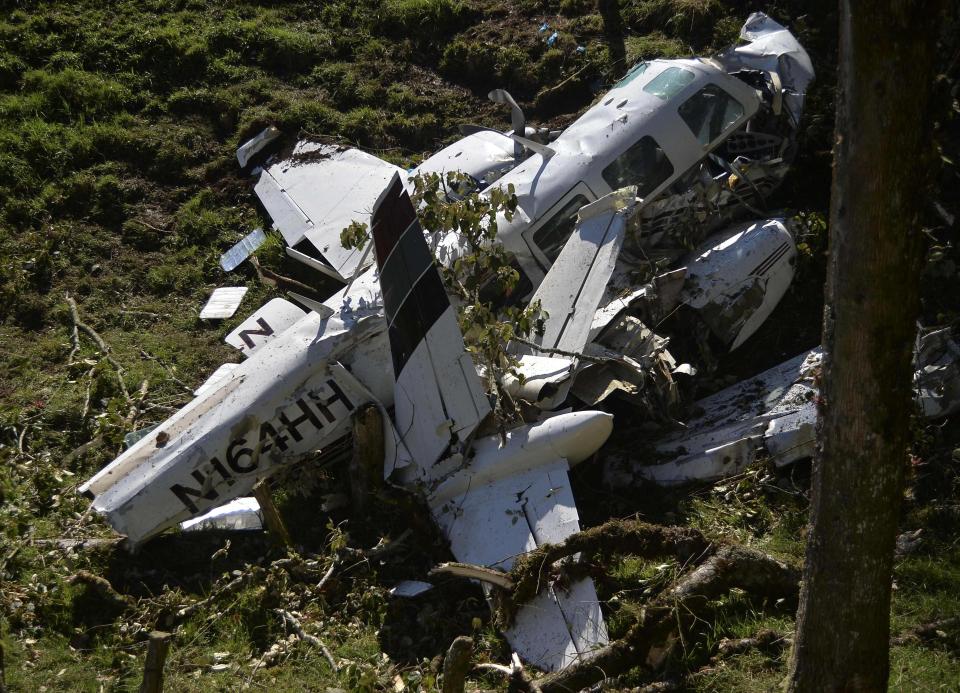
(553, 235)
(634, 72)
(645, 165)
(491, 290)
(709, 112)
(669, 83)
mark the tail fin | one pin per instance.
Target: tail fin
(438, 395)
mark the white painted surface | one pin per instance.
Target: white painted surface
(268, 322)
(318, 192)
(724, 277)
(238, 514)
(223, 303)
(572, 289)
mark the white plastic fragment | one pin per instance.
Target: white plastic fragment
(223, 303)
(247, 245)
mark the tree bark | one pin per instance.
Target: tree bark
(883, 158)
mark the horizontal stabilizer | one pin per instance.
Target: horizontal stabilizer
(513, 496)
(318, 192)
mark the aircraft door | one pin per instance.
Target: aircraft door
(548, 234)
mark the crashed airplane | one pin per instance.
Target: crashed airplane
(607, 211)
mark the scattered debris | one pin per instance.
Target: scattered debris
(238, 514)
(252, 147)
(223, 303)
(606, 212)
(410, 588)
(248, 245)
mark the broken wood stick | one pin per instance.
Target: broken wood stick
(366, 464)
(157, 647)
(270, 278)
(767, 640)
(102, 346)
(520, 681)
(298, 630)
(474, 572)
(456, 664)
(271, 516)
(926, 631)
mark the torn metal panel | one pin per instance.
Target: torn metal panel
(255, 145)
(937, 379)
(266, 324)
(410, 588)
(318, 192)
(769, 47)
(736, 283)
(243, 249)
(575, 284)
(240, 514)
(540, 380)
(317, 307)
(223, 303)
(772, 414)
(509, 499)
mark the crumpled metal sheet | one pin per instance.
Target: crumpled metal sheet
(937, 379)
(772, 48)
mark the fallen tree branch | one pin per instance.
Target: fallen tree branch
(103, 587)
(102, 346)
(559, 352)
(650, 641)
(232, 586)
(271, 278)
(297, 628)
(767, 640)
(926, 631)
(515, 673)
(150, 357)
(634, 537)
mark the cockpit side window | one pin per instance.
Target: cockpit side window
(709, 112)
(634, 72)
(669, 83)
(553, 235)
(645, 165)
(492, 291)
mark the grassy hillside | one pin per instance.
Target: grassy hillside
(119, 190)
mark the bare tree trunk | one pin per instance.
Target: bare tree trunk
(613, 32)
(883, 160)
